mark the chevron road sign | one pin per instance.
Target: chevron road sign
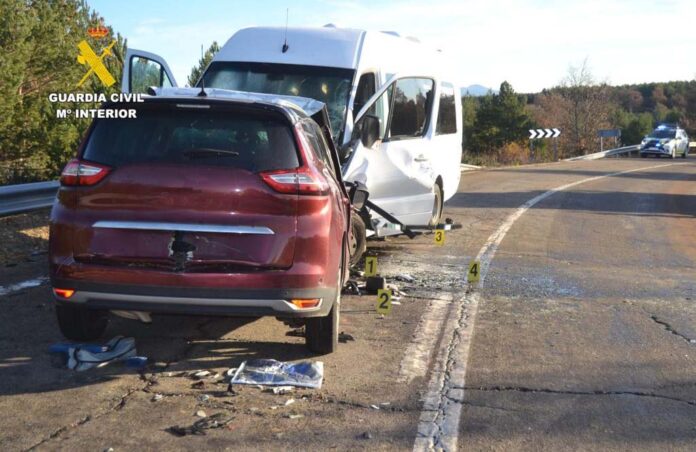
(544, 133)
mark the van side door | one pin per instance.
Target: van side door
(396, 167)
(142, 70)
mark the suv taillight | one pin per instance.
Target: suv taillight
(77, 172)
(304, 180)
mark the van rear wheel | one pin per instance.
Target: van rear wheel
(81, 324)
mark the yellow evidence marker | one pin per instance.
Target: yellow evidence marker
(439, 236)
(384, 301)
(370, 265)
(474, 272)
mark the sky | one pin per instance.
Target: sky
(529, 43)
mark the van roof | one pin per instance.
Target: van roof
(304, 46)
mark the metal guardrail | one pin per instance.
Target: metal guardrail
(607, 153)
(27, 197)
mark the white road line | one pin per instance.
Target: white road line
(438, 426)
(7, 290)
(414, 364)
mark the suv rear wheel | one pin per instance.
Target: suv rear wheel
(81, 324)
(321, 333)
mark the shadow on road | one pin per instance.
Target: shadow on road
(28, 328)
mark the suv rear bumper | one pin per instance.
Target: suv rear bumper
(196, 301)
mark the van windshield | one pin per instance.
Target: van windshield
(325, 84)
(249, 139)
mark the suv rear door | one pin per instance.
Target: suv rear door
(185, 191)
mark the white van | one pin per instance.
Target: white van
(394, 110)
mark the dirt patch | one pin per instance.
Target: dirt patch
(23, 236)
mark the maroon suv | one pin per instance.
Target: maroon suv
(216, 205)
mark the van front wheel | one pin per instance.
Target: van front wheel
(437, 205)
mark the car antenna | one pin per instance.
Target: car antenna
(285, 39)
(202, 92)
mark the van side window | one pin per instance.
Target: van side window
(446, 113)
(366, 89)
(412, 106)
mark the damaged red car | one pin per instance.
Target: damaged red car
(219, 204)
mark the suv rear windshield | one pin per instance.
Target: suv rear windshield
(244, 138)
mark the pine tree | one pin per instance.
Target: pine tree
(203, 63)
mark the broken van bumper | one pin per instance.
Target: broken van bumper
(195, 300)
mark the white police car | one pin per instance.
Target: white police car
(666, 139)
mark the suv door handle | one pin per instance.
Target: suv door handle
(421, 158)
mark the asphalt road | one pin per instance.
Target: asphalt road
(581, 335)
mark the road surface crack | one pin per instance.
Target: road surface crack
(669, 328)
(578, 393)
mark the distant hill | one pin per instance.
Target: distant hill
(476, 90)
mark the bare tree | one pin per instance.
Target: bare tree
(589, 108)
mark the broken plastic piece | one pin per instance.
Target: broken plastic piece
(217, 420)
(270, 372)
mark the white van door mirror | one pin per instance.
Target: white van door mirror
(142, 70)
(369, 130)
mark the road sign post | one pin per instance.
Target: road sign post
(608, 133)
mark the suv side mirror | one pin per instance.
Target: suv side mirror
(369, 130)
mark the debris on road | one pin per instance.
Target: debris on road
(294, 416)
(157, 397)
(345, 337)
(199, 427)
(297, 332)
(198, 374)
(280, 390)
(276, 373)
(201, 413)
(351, 288)
(86, 356)
(405, 278)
